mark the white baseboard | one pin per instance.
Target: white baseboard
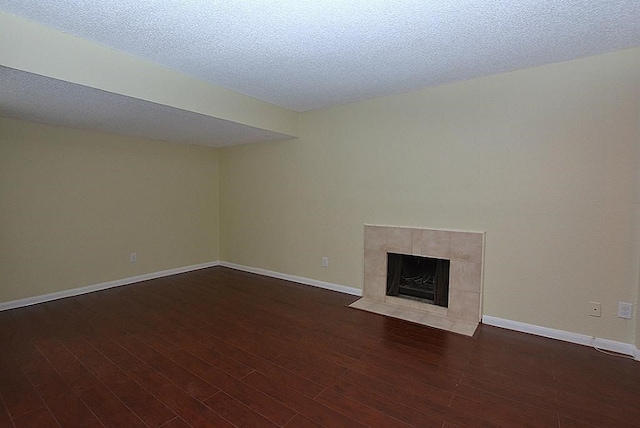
(102, 286)
(581, 339)
(567, 336)
(299, 279)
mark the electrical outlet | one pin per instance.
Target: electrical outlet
(595, 309)
(133, 257)
(325, 262)
(625, 310)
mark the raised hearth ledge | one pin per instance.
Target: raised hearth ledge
(419, 317)
(464, 249)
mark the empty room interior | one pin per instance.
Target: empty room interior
(320, 213)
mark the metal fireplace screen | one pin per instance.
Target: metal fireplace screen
(420, 278)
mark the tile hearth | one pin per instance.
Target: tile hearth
(465, 250)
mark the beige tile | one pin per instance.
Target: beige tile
(382, 308)
(375, 262)
(464, 305)
(436, 244)
(375, 287)
(443, 322)
(363, 303)
(417, 305)
(466, 328)
(465, 276)
(405, 303)
(437, 321)
(464, 249)
(416, 242)
(467, 246)
(408, 314)
(375, 237)
(398, 301)
(436, 310)
(399, 240)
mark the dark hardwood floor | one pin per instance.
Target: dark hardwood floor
(223, 348)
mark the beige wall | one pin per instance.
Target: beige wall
(544, 160)
(636, 232)
(74, 204)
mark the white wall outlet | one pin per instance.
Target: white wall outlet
(133, 257)
(595, 309)
(325, 262)
(625, 310)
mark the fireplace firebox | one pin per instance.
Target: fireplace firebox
(424, 279)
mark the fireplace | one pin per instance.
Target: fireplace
(424, 279)
(462, 250)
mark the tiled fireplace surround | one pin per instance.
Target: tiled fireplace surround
(465, 250)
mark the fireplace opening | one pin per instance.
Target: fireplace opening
(424, 279)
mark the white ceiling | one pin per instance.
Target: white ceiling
(310, 54)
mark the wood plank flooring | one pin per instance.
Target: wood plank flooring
(223, 348)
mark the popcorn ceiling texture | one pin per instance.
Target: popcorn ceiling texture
(309, 54)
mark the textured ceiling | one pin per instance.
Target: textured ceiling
(302, 54)
(309, 54)
(35, 98)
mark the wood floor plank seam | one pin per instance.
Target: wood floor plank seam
(221, 386)
(218, 347)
